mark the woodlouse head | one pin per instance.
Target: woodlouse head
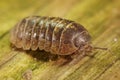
(82, 41)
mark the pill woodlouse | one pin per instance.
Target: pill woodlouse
(52, 34)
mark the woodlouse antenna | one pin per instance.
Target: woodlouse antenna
(100, 48)
(104, 49)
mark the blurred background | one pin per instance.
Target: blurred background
(92, 14)
(100, 17)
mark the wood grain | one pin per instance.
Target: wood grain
(100, 18)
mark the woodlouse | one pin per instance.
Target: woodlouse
(52, 34)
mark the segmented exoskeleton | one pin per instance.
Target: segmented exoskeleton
(52, 34)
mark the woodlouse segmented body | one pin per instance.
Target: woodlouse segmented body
(52, 34)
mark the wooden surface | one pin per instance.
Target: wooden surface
(100, 17)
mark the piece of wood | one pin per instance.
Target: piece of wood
(100, 18)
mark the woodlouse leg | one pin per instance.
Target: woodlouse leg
(89, 55)
(62, 60)
(76, 57)
(53, 58)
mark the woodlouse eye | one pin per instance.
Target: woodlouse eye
(76, 42)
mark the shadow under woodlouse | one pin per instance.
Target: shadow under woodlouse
(47, 56)
(41, 55)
